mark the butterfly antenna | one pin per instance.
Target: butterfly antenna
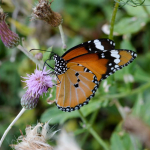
(39, 50)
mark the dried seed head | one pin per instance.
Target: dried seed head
(44, 12)
(36, 138)
(138, 128)
(9, 38)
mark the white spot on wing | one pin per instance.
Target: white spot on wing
(98, 45)
(114, 53)
(117, 61)
(116, 66)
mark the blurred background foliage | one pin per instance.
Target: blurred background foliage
(83, 20)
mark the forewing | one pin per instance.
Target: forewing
(105, 63)
(77, 87)
(92, 46)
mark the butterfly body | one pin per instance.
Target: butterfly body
(80, 70)
(60, 65)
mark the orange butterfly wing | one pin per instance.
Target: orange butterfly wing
(103, 64)
(90, 46)
(81, 68)
(77, 87)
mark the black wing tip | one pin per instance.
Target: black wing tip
(133, 54)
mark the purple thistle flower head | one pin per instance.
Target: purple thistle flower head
(37, 84)
(9, 38)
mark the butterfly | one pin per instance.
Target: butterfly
(80, 70)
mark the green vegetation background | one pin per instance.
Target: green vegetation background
(82, 21)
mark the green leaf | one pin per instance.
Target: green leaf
(47, 53)
(126, 44)
(23, 29)
(140, 75)
(138, 11)
(122, 141)
(138, 105)
(130, 25)
(116, 142)
(60, 117)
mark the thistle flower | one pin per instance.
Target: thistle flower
(128, 78)
(35, 138)
(9, 38)
(106, 86)
(44, 12)
(37, 84)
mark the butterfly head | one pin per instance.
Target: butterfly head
(60, 65)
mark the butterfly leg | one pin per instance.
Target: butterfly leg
(45, 63)
(57, 83)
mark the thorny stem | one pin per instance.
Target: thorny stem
(40, 64)
(62, 37)
(92, 131)
(10, 126)
(113, 20)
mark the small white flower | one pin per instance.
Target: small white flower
(106, 30)
(106, 86)
(128, 78)
(66, 141)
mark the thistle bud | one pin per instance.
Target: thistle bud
(44, 12)
(28, 101)
(9, 38)
(39, 56)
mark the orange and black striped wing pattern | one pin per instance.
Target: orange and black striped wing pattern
(78, 85)
(93, 46)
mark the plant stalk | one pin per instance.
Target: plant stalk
(62, 37)
(10, 126)
(40, 64)
(113, 20)
(92, 131)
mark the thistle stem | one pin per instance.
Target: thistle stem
(62, 37)
(113, 20)
(92, 131)
(40, 64)
(10, 126)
